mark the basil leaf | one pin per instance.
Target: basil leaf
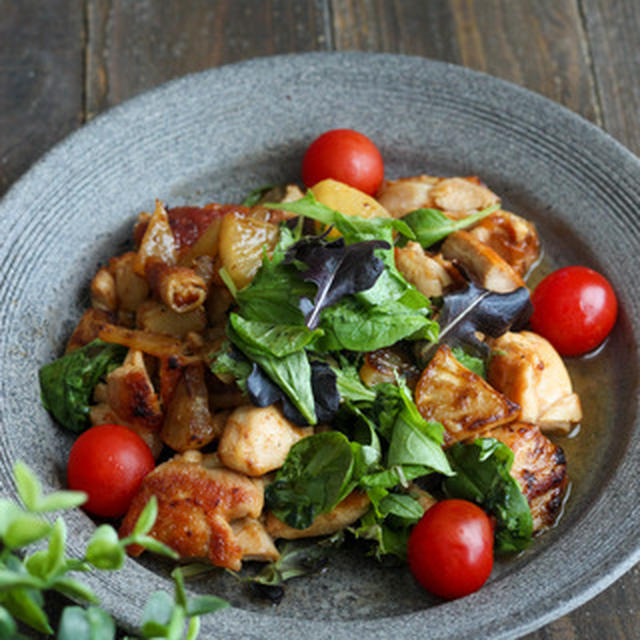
(431, 225)
(402, 506)
(277, 340)
(312, 479)
(228, 363)
(66, 384)
(355, 326)
(353, 228)
(482, 476)
(477, 365)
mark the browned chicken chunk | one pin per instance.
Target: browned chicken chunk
(462, 195)
(528, 370)
(131, 395)
(257, 440)
(513, 238)
(353, 507)
(481, 263)
(425, 273)
(459, 399)
(196, 506)
(539, 467)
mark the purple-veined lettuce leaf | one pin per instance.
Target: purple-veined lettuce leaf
(336, 269)
(477, 309)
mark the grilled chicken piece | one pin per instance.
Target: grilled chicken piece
(406, 194)
(462, 401)
(189, 423)
(529, 371)
(102, 413)
(461, 196)
(196, 506)
(103, 291)
(539, 467)
(383, 365)
(513, 238)
(482, 263)
(257, 440)
(131, 288)
(88, 328)
(421, 270)
(254, 541)
(131, 395)
(353, 507)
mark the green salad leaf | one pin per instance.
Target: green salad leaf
(482, 476)
(66, 384)
(313, 480)
(431, 225)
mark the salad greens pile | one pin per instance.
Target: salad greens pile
(297, 336)
(26, 576)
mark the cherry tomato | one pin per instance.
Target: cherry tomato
(451, 549)
(574, 308)
(344, 155)
(108, 462)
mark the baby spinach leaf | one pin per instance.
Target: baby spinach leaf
(66, 385)
(292, 373)
(482, 476)
(312, 479)
(477, 309)
(336, 269)
(263, 392)
(431, 225)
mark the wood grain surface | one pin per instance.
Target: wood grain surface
(64, 61)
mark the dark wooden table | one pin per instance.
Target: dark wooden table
(64, 61)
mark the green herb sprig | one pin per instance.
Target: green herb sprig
(26, 576)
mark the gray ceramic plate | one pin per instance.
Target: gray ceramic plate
(216, 135)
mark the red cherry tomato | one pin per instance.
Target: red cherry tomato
(451, 549)
(574, 308)
(344, 155)
(108, 462)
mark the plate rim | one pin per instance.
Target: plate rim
(20, 187)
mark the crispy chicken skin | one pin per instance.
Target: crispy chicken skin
(257, 440)
(196, 506)
(540, 468)
(528, 370)
(354, 506)
(462, 401)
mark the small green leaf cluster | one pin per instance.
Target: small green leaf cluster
(67, 384)
(25, 576)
